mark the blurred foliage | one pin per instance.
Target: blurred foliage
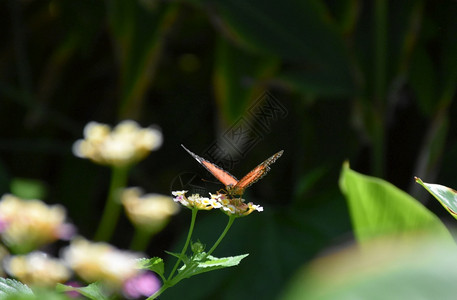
(354, 274)
(372, 82)
(28, 188)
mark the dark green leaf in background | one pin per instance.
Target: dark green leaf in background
(138, 35)
(299, 32)
(239, 78)
(28, 188)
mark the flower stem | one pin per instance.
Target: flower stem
(112, 207)
(221, 237)
(159, 292)
(193, 266)
(166, 283)
(140, 239)
(184, 249)
(172, 281)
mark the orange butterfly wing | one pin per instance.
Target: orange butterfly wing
(257, 173)
(223, 176)
(235, 187)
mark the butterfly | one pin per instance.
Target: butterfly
(233, 186)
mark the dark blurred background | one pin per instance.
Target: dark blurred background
(372, 82)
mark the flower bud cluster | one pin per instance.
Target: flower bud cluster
(229, 205)
(101, 262)
(124, 145)
(26, 225)
(151, 212)
(38, 269)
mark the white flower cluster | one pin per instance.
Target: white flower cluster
(151, 211)
(195, 201)
(230, 206)
(28, 224)
(101, 262)
(235, 206)
(90, 261)
(37, 268)
(126, 144)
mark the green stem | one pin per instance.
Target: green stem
(113, 206)
(192, 267)
(184, 249)
(159, 292)
(172, 281)
(166, 283)
(227, 227)
(140, 239)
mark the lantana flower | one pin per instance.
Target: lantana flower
(151, 212)
(101, 262)
(229, 205)
(37, 268)
(235, 206)
(195, 201)
(29, 224)
(123, 145)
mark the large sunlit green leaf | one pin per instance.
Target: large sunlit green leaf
(378, 208)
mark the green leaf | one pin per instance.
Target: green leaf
(446, 196)
(424, 81)
(213, 263)
(298, 32)
(238, 77)
(9, 287)
(154, 264)
(294, 30)
(184, 257)
(93, 291)
(317, 81)
(378, 208)
(139, 35)
(28, 188)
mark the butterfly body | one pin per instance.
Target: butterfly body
(233, 186)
